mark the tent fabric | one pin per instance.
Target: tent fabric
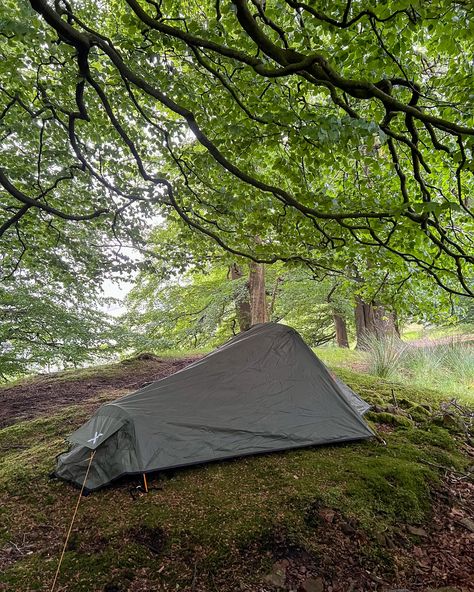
(353, 398)
(264, 390)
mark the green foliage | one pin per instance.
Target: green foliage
(197, 310)
(43, 326)
(305, 129)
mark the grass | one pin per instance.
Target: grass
(217, 526)
(338, 356)
(446, 367)
(414, 332)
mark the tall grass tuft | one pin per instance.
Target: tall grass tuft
(448, 366)
(385, 355)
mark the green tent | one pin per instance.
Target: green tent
(264, 390)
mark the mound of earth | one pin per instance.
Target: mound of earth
(48, 393)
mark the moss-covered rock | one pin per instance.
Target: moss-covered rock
(432, 435)
(419, 413)
(389, 418)
(221, 519)
(451, 422)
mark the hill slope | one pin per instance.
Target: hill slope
(343, 518)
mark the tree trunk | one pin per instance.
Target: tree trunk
(341, 330)
(271, 306)
(258, 298)
(242, 302)
(373, 320)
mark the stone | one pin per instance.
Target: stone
(348, 529)
(450, 422)
(312, 585)
(327, 515)
(277, 577)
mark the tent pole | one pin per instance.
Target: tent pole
(145, 483)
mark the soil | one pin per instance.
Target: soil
(50, 392)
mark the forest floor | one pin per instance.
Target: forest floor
(348, 518)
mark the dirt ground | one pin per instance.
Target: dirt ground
(51, 392)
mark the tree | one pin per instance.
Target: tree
(373, 319)
(327, 132)
(49, 326)
(242, 298)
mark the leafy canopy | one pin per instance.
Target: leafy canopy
(329, 132)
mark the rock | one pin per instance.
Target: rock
(450, 422)
(405, 403)
(312, 585)
(277, 577)
(327, 515)
(467, 523)
(393, 419)
(417, 531)
(390, 542)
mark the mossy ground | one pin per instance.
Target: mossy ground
(214, 527)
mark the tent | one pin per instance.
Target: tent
(263, 391)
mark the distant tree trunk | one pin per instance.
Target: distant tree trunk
(271, 307)
(373, 319)
(242, 302)
(258, 297)
(341, 330)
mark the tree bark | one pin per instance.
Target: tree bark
(242, 302)
(373, 319)
(341, 330)
(258, 297)
(271, 306)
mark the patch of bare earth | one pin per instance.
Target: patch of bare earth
(51, 392)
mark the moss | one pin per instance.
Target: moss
(371, 386)
(433, 435)
(419, 413)
(450, 422)
(389, 418)
(395, 487)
